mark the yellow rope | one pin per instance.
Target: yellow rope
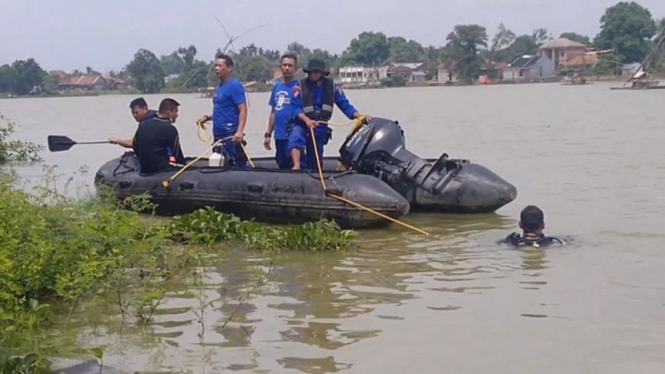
(246, 154)
(201, 127)
(323, 184)
(340, 125)
(356, 122)
(318, 159)
(167, 183)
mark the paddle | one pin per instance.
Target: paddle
(58, 143)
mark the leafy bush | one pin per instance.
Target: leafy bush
(61, 251)
(15, 150)
(207, 226)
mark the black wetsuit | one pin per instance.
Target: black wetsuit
(517, 240)
(152, 142)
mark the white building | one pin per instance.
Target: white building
(362, 74)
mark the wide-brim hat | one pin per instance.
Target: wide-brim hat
(314, 65)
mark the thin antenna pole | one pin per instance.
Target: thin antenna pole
(229, 43)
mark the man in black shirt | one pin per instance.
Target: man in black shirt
(532, 223)
(157, 139)
(141, 113)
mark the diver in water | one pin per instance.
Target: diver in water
(532, 223)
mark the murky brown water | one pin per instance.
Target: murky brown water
(453, 302)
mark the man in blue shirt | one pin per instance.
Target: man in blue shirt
(319, 94)
(229, 114)
(286, 105)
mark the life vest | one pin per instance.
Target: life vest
(150, 114)
(326, 112)
(518, 240)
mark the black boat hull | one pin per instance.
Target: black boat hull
(471, 189)
(279, 196)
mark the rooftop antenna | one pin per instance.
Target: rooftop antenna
(229, 43)
(234, 38)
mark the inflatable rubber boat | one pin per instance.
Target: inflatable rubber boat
(443, 185)
(266, 195)
(440, 185)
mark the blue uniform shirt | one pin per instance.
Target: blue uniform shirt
(340, 100)
(287, 102)
(225, 113)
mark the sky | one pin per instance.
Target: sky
(73, 34)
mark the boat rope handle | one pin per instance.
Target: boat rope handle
(341, 198)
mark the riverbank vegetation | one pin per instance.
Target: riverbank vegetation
(15, 150)
(627, 28)
(58, 253)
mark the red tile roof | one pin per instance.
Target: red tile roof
(83, 80)
(562, 43)
(58, 73)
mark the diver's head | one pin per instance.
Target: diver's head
(532, 220)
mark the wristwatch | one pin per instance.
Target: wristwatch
(267, 135)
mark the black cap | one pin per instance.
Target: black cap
(314, 65)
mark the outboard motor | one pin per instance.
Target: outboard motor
(378, 148)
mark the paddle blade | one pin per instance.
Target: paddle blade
(58, 143)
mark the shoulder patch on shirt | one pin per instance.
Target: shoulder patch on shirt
(296, 91)
(339, 88)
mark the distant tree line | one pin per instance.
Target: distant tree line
(627, 28)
